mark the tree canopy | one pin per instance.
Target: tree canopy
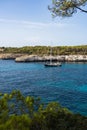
(45, 50)
(66, 8)
(19, 112)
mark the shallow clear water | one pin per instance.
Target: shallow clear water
(66, 84)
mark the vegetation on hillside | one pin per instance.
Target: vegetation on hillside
(45, 50)
(18, 112)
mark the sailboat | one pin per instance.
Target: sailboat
(52, 64)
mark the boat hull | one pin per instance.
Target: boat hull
(53, 64)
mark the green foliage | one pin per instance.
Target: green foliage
(45, 50)
(27, 113)
(66, 8)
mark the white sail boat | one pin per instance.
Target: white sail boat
(50, 63)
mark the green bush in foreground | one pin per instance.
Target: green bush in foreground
(26, 113)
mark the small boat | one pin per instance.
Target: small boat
(52, 64)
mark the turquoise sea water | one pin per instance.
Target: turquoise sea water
(66, 84)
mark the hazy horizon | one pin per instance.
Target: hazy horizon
(44, 45)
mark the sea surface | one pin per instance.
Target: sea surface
(66, 84)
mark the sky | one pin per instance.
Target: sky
(30, 23)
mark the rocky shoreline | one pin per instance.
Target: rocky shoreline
(36, 58)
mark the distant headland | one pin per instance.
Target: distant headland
(42, 53)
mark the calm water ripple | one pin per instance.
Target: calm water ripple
(66, 84)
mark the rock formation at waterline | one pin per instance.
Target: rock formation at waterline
(9, 56)
(36, 58)
(62, 58)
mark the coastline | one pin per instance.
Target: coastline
(19, 57)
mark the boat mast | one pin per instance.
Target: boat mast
(50, 54)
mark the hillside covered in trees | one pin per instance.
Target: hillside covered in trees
(45, 50)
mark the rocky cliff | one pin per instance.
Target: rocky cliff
(8, 56)
(62, 58)
(35, 58)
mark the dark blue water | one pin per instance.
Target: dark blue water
(66, 84)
